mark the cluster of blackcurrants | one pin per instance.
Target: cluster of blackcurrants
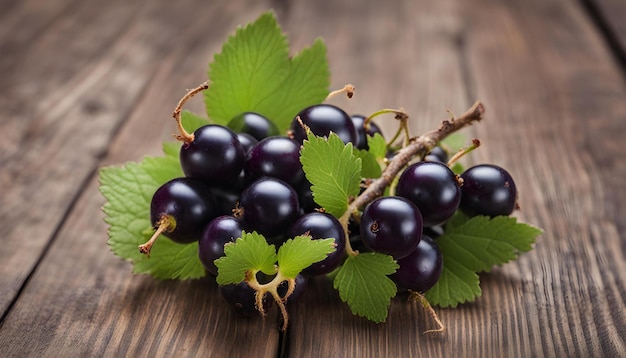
(427, 195)
(247, 177)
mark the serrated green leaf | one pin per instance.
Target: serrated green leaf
(473, 245)
(377, 145)
(249, 252)
(369, 165)
(333, 170)
(363, 284)
(253, 72)
(128, 191)
(457, 285)
(300, 252)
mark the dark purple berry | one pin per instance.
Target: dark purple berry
(433, 188)
(269, 206)
(277, 157)
(391, 225)
(323, 119)
(421, 269)
(215, 154)
(487, 190)
(254, 124)
(247, 141)
(438, 154)
(243, 300)
(218, 232)
(321, 226)
(362, 132)
(187, 205)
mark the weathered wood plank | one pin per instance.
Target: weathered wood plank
(47, 92)
(611, 15)
(555, 119)
(559, 98)
(102, 309)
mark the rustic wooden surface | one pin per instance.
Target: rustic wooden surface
(88, 84)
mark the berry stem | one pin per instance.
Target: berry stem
(272, 288)
(165, 224)
(416, 296)
(183, 135)
(463, 151)
(347, 89)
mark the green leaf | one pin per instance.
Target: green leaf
(250, 252)
(192, 121)
(128, 191)
(333, 170)
(300, 252)
(363, 284)
(254, 73)
(454, 142)
(377, 145)
(370, 167)
(473, 245)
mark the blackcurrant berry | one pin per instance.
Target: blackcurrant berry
(421, 269)
(247, 141)
(269, 206)
(323, 119)
(487, 190)
(180, 209)
(433, 188)
(301, 285)
(362, 132)
(391, 225)
(218, 232)
(437, 154)
(277, 157)
(321, 226)
(254, 124)
(242, 298)
(215, 154)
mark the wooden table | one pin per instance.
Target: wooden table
(84, 84)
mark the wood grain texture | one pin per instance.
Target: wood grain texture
(92, 84)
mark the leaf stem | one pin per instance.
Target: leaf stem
(183, 135)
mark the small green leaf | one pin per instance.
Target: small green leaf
(254, 73)
(250, 252)
(457, 284)
(370, 167)
(377, 145)
(473, 245)
(454, 142)
(457, 168)
(333, 170)
(128, 191)
(363, 284)
(300, 252)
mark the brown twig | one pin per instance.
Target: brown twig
(418, 146)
